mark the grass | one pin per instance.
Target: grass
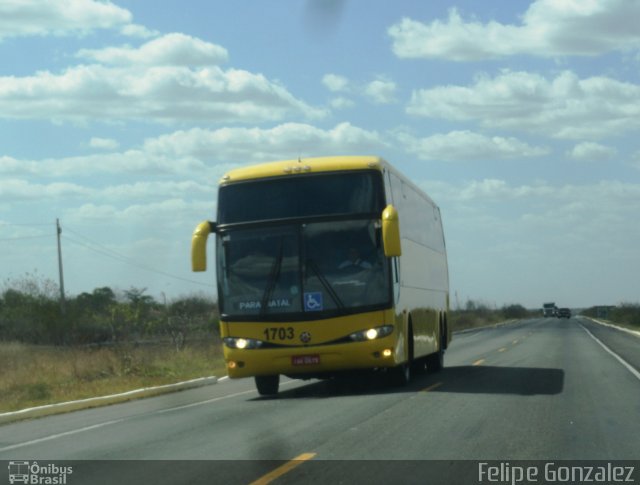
(34, 375)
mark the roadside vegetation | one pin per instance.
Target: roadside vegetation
(625, 314)
(99, 343)
(477, 314)
(34, 375)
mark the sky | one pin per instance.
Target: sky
(519, 118)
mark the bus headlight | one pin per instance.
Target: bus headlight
(371, 333)
(242, 343)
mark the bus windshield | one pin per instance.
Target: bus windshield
(310, 195)
(302, 270)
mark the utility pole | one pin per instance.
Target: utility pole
(62, 301)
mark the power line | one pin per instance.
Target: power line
(23, 237)
(25, 224)
(110, 253)
(123, 259)
(115, 254)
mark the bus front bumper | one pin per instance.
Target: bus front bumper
(315, 360)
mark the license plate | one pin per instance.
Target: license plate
(305, 359)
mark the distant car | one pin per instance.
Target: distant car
(564, 313)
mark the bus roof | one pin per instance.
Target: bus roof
(304, 165)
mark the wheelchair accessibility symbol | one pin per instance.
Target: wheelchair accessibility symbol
(313, 301)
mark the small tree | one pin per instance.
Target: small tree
(140, 306)
(515, 311)
(30, 311)
(187, 315)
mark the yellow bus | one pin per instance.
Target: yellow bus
(326, 266)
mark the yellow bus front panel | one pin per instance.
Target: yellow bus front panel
(314, 347)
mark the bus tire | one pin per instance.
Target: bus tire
(268, 385)
(400, 375)
(435, 361)
(419, 366)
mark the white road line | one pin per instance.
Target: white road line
(208, 401)
(201, 403)
(629, 367)
(635, 333)
(60, 435)
(115, 421)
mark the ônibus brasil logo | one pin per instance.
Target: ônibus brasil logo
(33, 473)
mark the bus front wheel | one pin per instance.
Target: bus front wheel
(400, 375)
(435, 362)
(267, 385)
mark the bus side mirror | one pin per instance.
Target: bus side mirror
(199, 245)
(391, 232)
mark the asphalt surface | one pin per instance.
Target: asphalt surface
(544, 389)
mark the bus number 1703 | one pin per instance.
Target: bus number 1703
(279, 333)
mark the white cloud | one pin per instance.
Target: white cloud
(165, 212)
(468, 146)
(200, 152)
(592, 152)
(381, 91)
(563, 107)
(288, 140)
(134, 201)
(155, 190)
(9, 165)
(140, 31)
(103, 143)
(571, 218)
(159, 93)
(335, 83)
(35, 17)
(17, 189)
(610, 199)
(485, 190)
(128, 162)
(549, 28)
(169, 50)
(341, 103)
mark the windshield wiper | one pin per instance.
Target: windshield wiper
(327, 286)
(274, 274)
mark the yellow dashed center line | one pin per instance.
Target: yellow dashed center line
(502, 349)
(478, 362)
(432, 387)
(281, 470)
(515, 341)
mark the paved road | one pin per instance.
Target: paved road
(543, 389)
